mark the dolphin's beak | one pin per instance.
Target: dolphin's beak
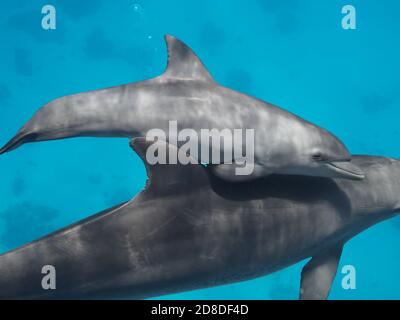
(346, 169)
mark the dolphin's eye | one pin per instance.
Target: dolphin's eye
(317, 156)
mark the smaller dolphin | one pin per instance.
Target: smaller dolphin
(189, 229)
(186, 93)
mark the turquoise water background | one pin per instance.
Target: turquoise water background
(292, 53)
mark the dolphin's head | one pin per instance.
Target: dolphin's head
(385, 176)
(380, 190)
(329, 157)
(320, 153)
(394, 175)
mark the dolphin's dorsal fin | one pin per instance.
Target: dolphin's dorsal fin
(183, 63)
(166, 179)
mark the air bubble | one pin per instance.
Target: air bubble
(137, 7)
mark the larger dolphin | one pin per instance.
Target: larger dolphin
(186, 93)
(189, 230)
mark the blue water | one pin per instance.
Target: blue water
(292, 53)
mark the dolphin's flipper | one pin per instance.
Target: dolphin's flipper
(318, 274)
(238, 172)
(183, 63)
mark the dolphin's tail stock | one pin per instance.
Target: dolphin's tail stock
(102, 256)
(51, 267)
(19, 139)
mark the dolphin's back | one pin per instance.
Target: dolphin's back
(186, 230)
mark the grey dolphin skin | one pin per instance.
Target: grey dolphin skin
(189, 229)
(186, 93)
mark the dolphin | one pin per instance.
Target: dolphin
(187, 94)
(189, 229)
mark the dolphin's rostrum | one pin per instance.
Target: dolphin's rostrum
(189, 229)
(186, 93)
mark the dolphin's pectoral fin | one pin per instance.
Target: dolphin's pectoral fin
(183, 63)
(238, 172)
(318, 274)
(166, 178)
